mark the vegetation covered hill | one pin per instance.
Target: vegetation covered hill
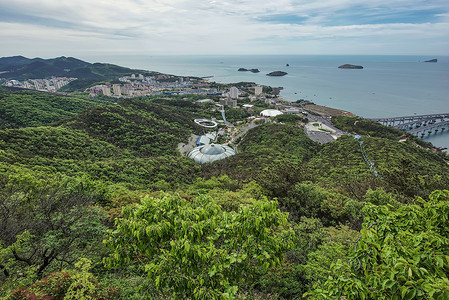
(22, 68)
(147, 129)
(282, 216)
(6, 62)
(23, 108)
(262, 147)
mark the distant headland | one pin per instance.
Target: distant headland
(434, 60)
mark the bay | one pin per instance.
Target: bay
(387, 86)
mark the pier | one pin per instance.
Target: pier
(419, 125)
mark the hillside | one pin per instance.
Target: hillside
(102, 142)
(96, 195)
(22, 68)
(23, 108)
(147, 129)
(262, 147)
(7, 62)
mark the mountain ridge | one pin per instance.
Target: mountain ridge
(23, 68)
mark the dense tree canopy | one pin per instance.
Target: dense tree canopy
(282, 216)
(401, 253)
(196, 250)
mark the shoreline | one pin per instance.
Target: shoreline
(327, 111)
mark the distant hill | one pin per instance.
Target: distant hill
(101, 71)
(67, 63)
(36, 69)
(22, 68)
(19, 67)
(6, 62)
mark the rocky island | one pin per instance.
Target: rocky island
(277, 73)
(349, 66)
(434, 60)
(250, 70)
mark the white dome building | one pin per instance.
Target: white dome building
(211, 152)
(270, 112)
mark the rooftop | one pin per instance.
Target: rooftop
(211, 152)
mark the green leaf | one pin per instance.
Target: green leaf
(410, 294)
(157, 281)
(403, 291)
(389, 283)
(439, 261)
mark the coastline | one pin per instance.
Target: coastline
(327, 111)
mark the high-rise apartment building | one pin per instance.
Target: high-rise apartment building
(258, 90)
(234, 92)
(106, 90)
(117, 90)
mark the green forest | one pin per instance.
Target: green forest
(96, 202)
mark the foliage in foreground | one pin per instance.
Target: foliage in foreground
(197, 250)
(402, 254)
(72, 284)
(45, 224)
(111, 156)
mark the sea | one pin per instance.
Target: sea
(387, 86)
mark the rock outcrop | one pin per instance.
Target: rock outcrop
(432, 60)
(349, 66)
(250, 70)
(277, 73)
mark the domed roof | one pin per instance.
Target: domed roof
(270, 112)
(213, 149)
(210, 153)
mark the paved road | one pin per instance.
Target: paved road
(244, 129)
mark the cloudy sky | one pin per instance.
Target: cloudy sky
(49, 28)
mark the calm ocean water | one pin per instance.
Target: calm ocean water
(387, 86)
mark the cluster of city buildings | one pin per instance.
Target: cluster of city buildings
(137, 85)
(46, 85)
(161, 84)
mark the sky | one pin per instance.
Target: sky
(49, 28)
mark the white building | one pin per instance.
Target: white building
(258, 90)
(117, 90)
(106, 90)
(270, 113)
(234, 92)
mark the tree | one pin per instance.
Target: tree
(402, 253)
(44, 223)
(193, 249)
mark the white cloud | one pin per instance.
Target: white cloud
(192, 26)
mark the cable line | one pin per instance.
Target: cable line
(365, 157)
